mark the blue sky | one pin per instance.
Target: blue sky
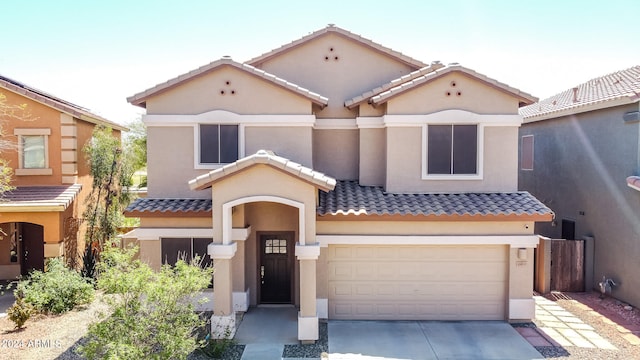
(96, 53)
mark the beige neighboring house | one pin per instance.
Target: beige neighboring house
(344, 178)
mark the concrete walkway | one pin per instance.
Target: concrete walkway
(561, 328)
(418, 340)
(6, 300)
(265, 330)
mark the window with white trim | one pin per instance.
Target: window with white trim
(452, 150)
(526, 155)
(219, 144)
(33, 151)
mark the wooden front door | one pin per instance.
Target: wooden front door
(276, 267)
(32, 247)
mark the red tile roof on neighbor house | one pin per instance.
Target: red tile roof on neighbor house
(139, 99)
(331, 28)
(39, 198)
(618, 88)
(56, 103)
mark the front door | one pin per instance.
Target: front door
(32, 247)
(275, 268)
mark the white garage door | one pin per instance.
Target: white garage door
(417, 282)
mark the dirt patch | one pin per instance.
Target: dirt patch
(48, 336)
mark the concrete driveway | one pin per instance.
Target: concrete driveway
(417, 340)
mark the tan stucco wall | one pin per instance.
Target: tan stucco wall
(263, 217)
(176, 222)
(373, 155)
(368, 110)
(432, 97)
(263, 180)
(252, 96)
(171, 163)
(293, 143)
(404, 162)
(336, 153)
(424, 227)
(357, 70)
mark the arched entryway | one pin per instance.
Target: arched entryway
(21, 248)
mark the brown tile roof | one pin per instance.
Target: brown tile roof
(316, 178)
(454, 67)
(350, 198)
(620, 87)
(139, 99)
(393, 83)
(417, 64)
(155, 206)
(56, 103)
(39, 198)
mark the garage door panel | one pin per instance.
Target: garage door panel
(449, 283)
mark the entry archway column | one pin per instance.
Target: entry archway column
(308, 327)
(223, 320)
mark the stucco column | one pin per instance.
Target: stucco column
(307, 317)
(521, 303)
(223, 321)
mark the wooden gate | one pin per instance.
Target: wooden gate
(559, 265)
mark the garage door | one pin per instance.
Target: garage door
(417, 282)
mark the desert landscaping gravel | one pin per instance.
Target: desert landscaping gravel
(613, 320)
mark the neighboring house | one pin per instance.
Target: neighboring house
(580, 155)
(40, 217)
(345, 178)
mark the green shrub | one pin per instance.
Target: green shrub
(153, 314)
(20, 312)
(57, 290)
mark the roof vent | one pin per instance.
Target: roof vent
(227, 57)
(575, 94)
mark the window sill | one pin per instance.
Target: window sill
(452, 177)
(210, 166)
(23, 172)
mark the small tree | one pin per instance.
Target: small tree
(153, 312)
(111, 170)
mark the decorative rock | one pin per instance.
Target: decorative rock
(628, 307)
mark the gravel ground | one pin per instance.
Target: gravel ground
(603, 315)
(311, 350)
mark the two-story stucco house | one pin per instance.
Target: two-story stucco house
(581, 156)
(41, 217)
(344, 178)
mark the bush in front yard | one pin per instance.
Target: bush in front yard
(57, 290)
(153, 312)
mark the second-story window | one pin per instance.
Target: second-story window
(33, 151)
(218, 144)
(452, 149)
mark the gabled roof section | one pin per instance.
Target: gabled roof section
(139, 99)
(618, 88)
(429, 76)
(351, 199)
(331, 28)
(39, 198)
(393, 83)
(56, 103)
(311, 176)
